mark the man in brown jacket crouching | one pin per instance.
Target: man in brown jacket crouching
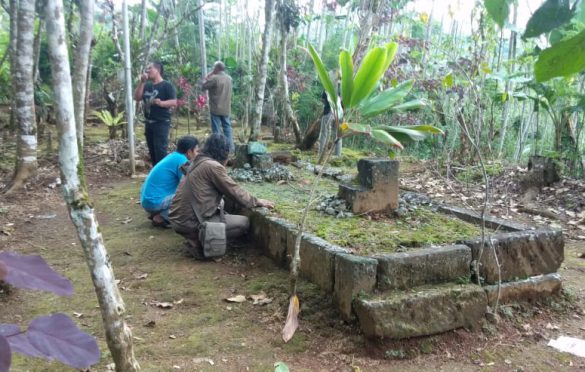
(203, 189)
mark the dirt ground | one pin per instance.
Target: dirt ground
(201, 331)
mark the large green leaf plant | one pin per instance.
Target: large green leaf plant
(361, 99)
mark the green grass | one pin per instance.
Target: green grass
(421, 228)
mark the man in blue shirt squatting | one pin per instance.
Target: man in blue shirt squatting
(161, 183)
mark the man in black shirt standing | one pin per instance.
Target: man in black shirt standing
(159, 97)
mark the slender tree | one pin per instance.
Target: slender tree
(288, 15)
(118, 335)
(369, 20)
(202, 49)
(22, 75)
(263, 70)
(81, 67)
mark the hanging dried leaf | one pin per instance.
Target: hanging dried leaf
(292, 319)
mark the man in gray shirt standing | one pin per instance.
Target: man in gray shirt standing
(219, 85)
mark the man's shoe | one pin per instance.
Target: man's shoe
(158, 221)
(195, 248)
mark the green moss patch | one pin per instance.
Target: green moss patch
(364, 234)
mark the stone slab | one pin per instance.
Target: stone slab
(364, 200)
(318, 260)
(424, 266)
(520, 254)
(531, 289)
(277, 239)
(378, 172)
(493, 223)
(263, 161)
(353, 274)
(241, 156)
(425, 312)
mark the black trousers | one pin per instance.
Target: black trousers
(157, 139)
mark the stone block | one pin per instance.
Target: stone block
(362, 200)
(259, 229)
(378, 172)
(263, 161)
(318, 261)
(277, 239)
(424, 266)
(241, 156)
(520, 254)
(428, 311)
(353, 274)
(493, 223)
(531, 289)
(256, 148)
(378, 189)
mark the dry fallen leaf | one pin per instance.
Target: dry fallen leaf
(172, 337)
(163, 305)
(203, 360)
(260, 299)
(238, 299)
(77, 315)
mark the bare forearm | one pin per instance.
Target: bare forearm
(139, 91)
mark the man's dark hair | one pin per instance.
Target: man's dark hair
(217, 147)
(158, 66)
(186, 143)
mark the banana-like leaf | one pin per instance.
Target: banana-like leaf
(346, 67)
(427, 129)
(349, 129)
(323, 76)
(384, 101)
(391, 49)
(386, 138)
(368, 75)
(410, 105)
(413, 135)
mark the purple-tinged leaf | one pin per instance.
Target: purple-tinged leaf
(32, 272)
(5, 355)
(7, 330)
(3, 270)
(58, 337)
(18, 341)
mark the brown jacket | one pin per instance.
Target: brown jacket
(203, 187)
(220, 93)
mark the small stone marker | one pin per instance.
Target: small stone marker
(378, 187)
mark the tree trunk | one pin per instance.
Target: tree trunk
(37, 50)
(368, 24)
(202, 49)
(82, 51)
(118, 335)
(288, 114)
(26, 145)
(13, 47)
(263, 70)
(128, 78)
(142, 20)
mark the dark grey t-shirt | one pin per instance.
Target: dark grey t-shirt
(163, 91)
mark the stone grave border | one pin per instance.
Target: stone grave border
(529, 260)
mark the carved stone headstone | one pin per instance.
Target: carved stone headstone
(378, 187)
